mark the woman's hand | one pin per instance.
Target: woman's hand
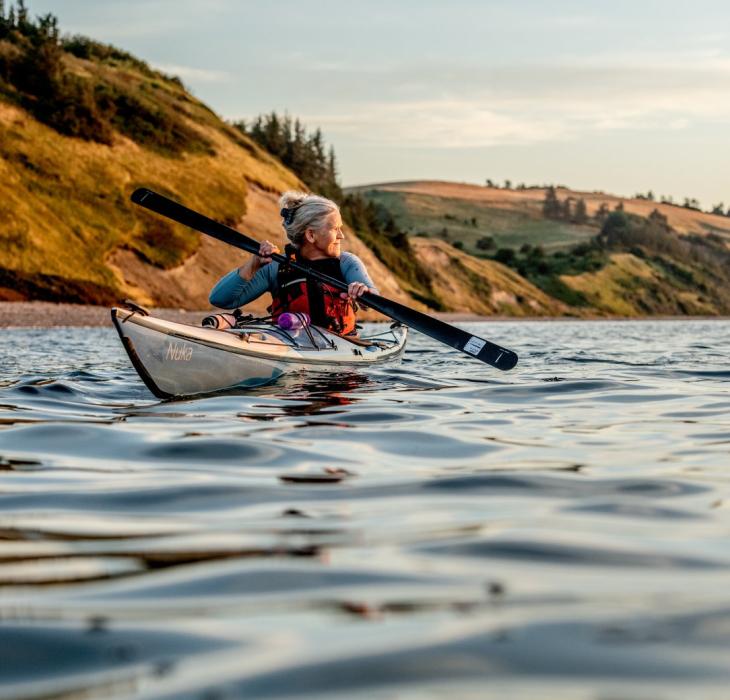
(266, 249)
(355, 290)
(256, 262)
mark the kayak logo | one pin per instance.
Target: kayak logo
(177, 352)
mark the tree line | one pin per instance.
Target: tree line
(688, 202)
(302, 152)
(574, 209)
(570, 209)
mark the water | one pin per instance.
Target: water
(432, 528)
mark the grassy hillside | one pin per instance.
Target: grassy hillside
(65, 202)
(77, 139)
(427, 206)
(629, 258)
(466, 221)
(632, 286)
(482, 286)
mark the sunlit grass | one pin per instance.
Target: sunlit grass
(64, 202)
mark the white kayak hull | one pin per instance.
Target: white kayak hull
(176, 359)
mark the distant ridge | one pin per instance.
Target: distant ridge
(595, 253)
(683, 220)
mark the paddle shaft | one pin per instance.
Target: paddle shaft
(481, 349)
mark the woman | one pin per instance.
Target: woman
(313, 226)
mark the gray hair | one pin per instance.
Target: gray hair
(301, 211)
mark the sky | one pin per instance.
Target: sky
(619, 96)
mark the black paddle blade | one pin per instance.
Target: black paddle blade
(473, 345)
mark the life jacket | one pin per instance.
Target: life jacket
(297, 293)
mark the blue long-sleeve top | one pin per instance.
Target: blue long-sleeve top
(232, 291)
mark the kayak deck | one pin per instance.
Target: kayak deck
(176, 359)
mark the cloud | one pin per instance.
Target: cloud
(572, 21)
(462, 107)
(435, 124)
(194, 75)
(480, 122)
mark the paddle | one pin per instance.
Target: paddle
(481, 349)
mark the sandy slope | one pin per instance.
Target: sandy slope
(481, 286)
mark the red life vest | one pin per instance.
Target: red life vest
(296, 293)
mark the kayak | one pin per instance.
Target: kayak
(177, 359)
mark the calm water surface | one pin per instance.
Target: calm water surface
(430, 528)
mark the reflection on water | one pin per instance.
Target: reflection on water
(429, 528)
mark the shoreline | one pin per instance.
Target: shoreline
(45, 314)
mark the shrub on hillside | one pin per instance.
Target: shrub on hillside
(377, 229)
(90, 50)
(653, 239)
(506, 256)
(149, 124)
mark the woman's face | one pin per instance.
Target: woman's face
(326, 240)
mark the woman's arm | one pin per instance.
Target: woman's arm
(233, 290)
(353, 270)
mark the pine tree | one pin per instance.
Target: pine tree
(580, 215)
(23, 24)
(274, 137)
(602, 213)
(551, 208)
(331, 166)
(659, 220)
(298, 148)
(566, 209)
(306, 155)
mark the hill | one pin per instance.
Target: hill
(627, 257)
(91, 125)
(514, 217)
(481, 286)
